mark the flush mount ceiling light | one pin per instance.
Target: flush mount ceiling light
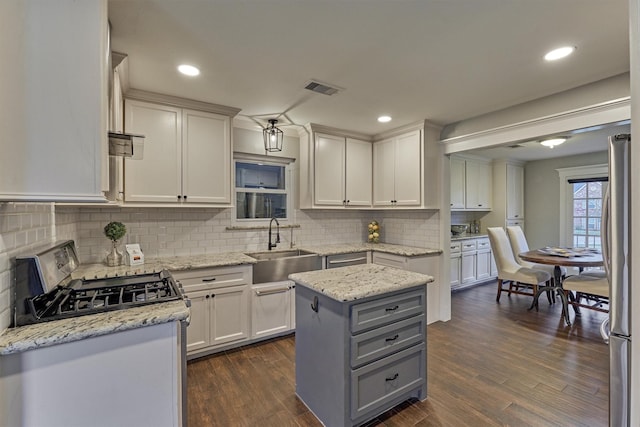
(188, 70)
(384, 119)
(273, 136)
(560, 53)
(553, 142)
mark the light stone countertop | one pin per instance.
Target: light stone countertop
(388, 248)
(469, 236)
(359, 281)
(46, 334)
(67, 330)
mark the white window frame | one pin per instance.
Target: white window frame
(566, 198)
(288, 188)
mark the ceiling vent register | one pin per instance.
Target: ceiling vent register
(323, 88)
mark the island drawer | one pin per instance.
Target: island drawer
(387, 310)
(207, 278)
(378, 383)
(378, 343)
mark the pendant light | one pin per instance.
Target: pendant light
(273, 136)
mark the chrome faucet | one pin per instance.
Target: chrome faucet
(273, 245)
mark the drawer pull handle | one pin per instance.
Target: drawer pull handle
(342, 261)
(392, 339)
(271, 291)
(394, 377)
(314, 304)
(209, 280)
(394, 308)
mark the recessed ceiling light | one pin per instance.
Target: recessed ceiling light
(560, 53)
(553, 142)
(188, 70)
(384, 119)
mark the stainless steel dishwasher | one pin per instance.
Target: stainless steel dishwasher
(343, 260)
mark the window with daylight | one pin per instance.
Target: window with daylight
(262, 190)
(587, 210)
(582, 190)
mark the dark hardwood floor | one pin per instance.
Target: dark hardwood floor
(491, 365)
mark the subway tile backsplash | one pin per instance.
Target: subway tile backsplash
(22, 226)
(165, 232)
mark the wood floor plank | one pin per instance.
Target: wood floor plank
(491, 365)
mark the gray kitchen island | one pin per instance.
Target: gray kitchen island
(360, 341)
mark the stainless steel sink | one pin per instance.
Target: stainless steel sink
(274, 266)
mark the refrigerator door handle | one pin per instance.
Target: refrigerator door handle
(605, 227)
(604, 331)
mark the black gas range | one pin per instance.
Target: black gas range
(45, 290)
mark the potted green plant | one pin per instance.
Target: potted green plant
(114, 231)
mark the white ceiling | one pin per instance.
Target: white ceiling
(441, 60)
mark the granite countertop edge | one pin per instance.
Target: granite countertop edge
(359, 281)
(345, 248)
(469, 236)
(46, 334)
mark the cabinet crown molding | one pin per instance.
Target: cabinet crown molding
(314, 127)
(175, 101)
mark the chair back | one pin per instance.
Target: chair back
(502, 251)
(518, 241)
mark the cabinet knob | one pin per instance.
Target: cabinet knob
(179, 197)
(185, 197)
(207, 297)
(516, 216)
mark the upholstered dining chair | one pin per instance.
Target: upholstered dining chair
(519, 244)
(594, 289)
(509, 270)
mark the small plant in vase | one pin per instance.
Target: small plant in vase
(374, 232)
(114, 231)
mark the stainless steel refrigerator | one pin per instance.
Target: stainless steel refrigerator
(616, 251)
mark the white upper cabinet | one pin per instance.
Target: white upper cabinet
(508, 189)
(187, 156)
(397, 171)
(515, 192)
(342, 171)
(54, 103)
(478, 185)
(359, 170)
(457, 181)
(471, 184)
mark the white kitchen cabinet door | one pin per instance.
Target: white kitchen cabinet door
(198, 330)
(230, 314)
(358, 172)
(270, 309)
(468, 267)
(330, 161)
(478, 184)
(206, 157)
(483, 265)
(455, 270)
(54, 101)
(408, 184)
(397, 172)
(384, 173)
(515, 192)
(457, 181)
(157, 177)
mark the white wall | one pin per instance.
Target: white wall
(542, 196)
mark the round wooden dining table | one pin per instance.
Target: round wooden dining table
(561, 257)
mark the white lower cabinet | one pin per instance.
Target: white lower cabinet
(220, 306)
(271, 308)
(471, 262)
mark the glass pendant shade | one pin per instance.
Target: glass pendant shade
(273, 137)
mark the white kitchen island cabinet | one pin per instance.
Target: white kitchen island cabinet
(187, 154)
(360, 341)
